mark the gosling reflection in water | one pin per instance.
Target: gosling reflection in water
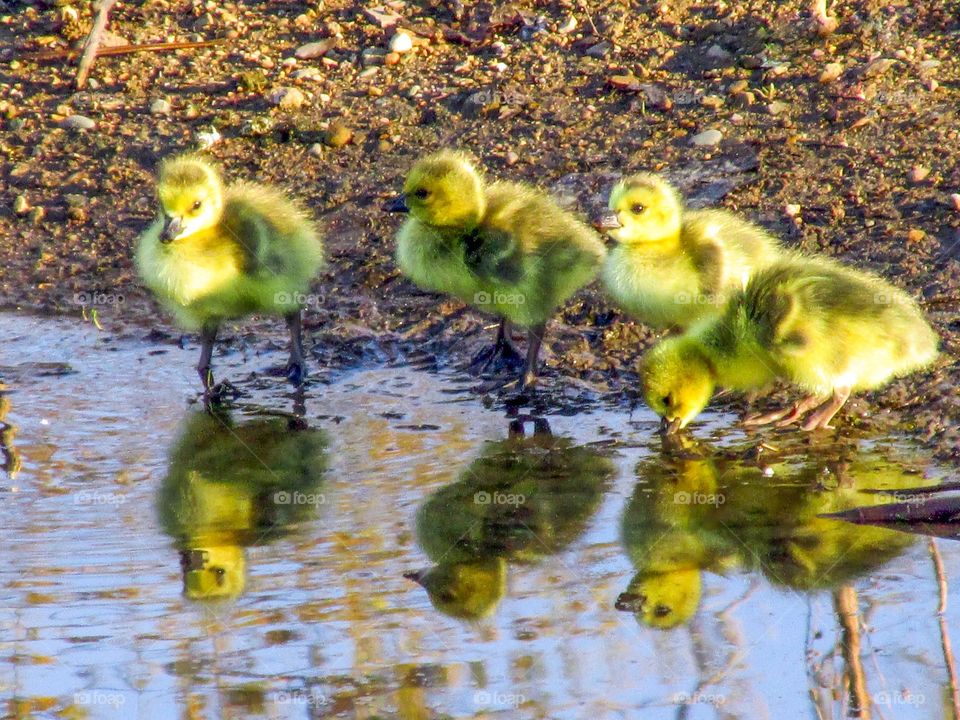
(693, 511)
(235, 484)
(521, 500)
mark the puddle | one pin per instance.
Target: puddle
(397, 554)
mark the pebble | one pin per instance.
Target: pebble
(831, 72)
(401, 42)
(338, 134)
(20, 205)
(288, 98)
(918, 173)
(792, 209)
(714, 102)
(777, 107)
(738, 86)
(568, 26)
(160, 107)
(316, 49)
(391, 58)
(915, 235)
(878, 67)
(601, 49)
(79, 122)
(744, 99)
(707, 138)
(316, 149)
(715, 52)
(308, 74)
(955, 200)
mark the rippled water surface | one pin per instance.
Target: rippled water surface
(396, 554)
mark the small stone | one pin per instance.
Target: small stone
(600, 50)
(401, 42)
(792, 210)
(878, 67)
(744, 99)
(160, 107)
(955, 201)
(252, 81)
(316, 149)
(308, 74)
(625, 82)
(738, 86)
(568, 25)
(714, 102)
(512, 159)
(20, 205)
(777, 107)
(915, 235)
(338, 134)
(36, 215)
(316, 49)
(831, 72)
(79, 122)
(288, 98)
(918, 173)
(717, 53)
(391, 58)
(707, 138)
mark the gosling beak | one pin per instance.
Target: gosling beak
(670, 427)
(417, 576)
(191, 560)
(397, 204)
(172, 227)
(606, 220)
(630, 602)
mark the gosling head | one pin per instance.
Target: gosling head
(643, 209)
(213, 572)
(663, 600)
(678, 382)
(444, 190)
(191, 197)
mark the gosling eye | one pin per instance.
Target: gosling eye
(662, 610)
(421, 193)
(219, 575)
(667, 400)
(637, 208)
(196, 205)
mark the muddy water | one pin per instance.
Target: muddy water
(394, 553)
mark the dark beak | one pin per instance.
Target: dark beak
(192, 560)
(669, 427)
(172, 227)
(417, 576)
(397, 204)
(607, 220)
(630, 602)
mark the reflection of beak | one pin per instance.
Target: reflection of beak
(417, 576)
(172, 227)
(398, 204)
(670, 427)
(193, 560)
(607, 220)
(630, 602)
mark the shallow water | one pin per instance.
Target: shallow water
(397, 555)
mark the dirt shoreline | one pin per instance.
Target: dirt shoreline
(863, 167)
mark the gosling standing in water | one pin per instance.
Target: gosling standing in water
(673, 266)
(826, 328)
(217, 253)
(502, 247)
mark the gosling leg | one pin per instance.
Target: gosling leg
(821, 417)
(534, 341)
(208, 336)
(296, 370)
(502, 350)
(783, 416)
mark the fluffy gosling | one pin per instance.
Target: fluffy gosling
(824, 327)
(502, 247)
(216, 253)
(673, 266)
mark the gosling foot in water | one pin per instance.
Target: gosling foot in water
(502, 356)
(530, 371)
(296, 371)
